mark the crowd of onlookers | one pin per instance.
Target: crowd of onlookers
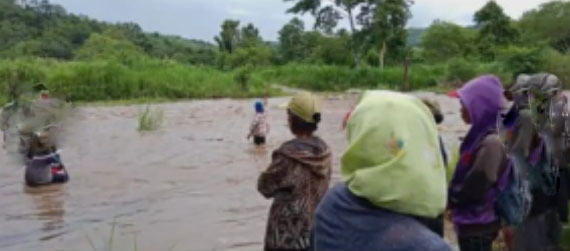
(511, 176)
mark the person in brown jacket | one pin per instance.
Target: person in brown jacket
(297, 178)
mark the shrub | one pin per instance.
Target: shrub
(461, 70)
(522, 59)
(559, 65)
(17, 77)
(150, 119)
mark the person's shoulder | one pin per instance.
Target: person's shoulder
(492, 141)
(335, 195)
(415, 235)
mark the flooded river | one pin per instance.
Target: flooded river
(191, 185)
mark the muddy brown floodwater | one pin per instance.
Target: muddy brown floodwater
(191, 185)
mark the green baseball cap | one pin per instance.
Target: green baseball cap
(305, 105)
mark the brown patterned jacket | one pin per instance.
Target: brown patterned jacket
(297, 179)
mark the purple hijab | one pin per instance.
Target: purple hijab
(483, 99)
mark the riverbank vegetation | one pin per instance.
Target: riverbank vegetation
(82, 59)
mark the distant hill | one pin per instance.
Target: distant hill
(415, 36)
(41, 29)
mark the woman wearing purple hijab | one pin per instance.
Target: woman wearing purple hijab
(483, 158)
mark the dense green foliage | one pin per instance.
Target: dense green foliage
(549, 22)
(444, 40)
(88, 60)
(145, 78)
(38, 28)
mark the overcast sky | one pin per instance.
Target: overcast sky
(201, 19)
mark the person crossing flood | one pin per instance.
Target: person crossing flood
(259, 127)
(297, 178)
(483, 159)
(393, 173)
(43, 162)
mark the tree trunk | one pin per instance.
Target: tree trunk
(355, 55)
(382, 55)
(406, 85)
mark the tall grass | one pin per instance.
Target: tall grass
(150, 119)
(111, 80)
(340, 78)
(147, 78)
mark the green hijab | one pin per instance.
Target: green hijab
(393, 157)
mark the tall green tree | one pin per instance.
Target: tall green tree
(384, 22)
(229, 36)
(495, 29)
(328, 14)
(445, 40)
(549, 22)
(250, 36)
(291, 40)
(377, 22)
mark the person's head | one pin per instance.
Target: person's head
(304, 114)
(259, 107)
(393, 157)
(482, 103)
(482, 100)
(518, 91)
(543, 93)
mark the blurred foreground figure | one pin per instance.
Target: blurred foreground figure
(30, 126)
(536, 131)
(393, 174)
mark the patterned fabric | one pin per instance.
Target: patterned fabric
(259, 126)
(297, 179)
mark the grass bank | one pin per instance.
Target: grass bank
(153, 79)
(340, 78)
(147, 79)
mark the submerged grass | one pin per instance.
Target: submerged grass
(150, 119)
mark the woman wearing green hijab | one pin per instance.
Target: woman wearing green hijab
(392, 172)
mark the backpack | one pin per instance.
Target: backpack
(514, 199)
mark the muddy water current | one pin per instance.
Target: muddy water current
(191, 185)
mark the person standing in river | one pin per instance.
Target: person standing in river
(473, 189)
(297, 178)
(259, 126)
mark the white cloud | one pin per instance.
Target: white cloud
(240, 12)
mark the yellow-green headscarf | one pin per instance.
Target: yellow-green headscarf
(393, 157)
